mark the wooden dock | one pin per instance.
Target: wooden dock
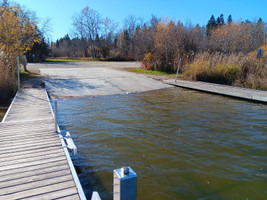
(242, 93)
(34, 160)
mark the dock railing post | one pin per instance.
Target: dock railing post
(124, 184)
(55, 115)
(18, 73)
(178, 69)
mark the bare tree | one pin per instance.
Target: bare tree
(79, 31)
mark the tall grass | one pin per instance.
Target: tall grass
(238, 70)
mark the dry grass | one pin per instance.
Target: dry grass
(239, 70)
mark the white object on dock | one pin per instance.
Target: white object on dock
(70, 143)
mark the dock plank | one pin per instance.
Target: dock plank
(33, 163)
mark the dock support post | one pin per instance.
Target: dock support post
(55, 112)
(124, 184)
(18, 73)
(178, 70)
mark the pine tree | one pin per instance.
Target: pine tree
(220, 20)
(211, 25)
(229, 19)
(260, 36)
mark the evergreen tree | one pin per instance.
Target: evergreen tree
(39, 50)
(126, 42)
(229, 19)
(211, 25)
(220, 20)
(260, 36)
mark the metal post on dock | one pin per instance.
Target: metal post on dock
(18, 73)
(55, 115)
(124, 184)
(178, 70)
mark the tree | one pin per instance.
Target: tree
(80, 32)
(211, 25)
(259, 33)
(229, 19)
(87, 26)
(109, 28)
(220, 20)
(17, 36)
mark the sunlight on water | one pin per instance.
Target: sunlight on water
(182, 144)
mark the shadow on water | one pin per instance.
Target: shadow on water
(182, 144)
(90, 180)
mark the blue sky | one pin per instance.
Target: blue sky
(195, 11)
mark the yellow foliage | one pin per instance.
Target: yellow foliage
(230, 38)
(148, 57)
(17, 34)
(264, 47)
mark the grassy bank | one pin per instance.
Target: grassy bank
(26, 75)
(70, 60)
(155, 72)
(83, 59)
(237, 70)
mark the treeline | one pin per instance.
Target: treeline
(19, 35)
(217, 52)
(160, 40)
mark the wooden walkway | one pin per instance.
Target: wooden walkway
(34, 162)
(243, 93)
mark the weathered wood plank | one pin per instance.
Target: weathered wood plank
(32, 168)
(31, 159)
(38, 171)
(30, 148)
(52, 191)
(33, 164)
(63, 194)
(34, 180)
(31, 155)
(29, 152)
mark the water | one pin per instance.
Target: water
(182, 144)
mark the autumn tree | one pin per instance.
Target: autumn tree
(17, 36)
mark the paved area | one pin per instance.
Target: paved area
(244, 93)
(95, 78)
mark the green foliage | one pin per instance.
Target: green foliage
(155, 72)
(39, 52)
(25, 75)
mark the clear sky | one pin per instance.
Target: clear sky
(195, 11)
